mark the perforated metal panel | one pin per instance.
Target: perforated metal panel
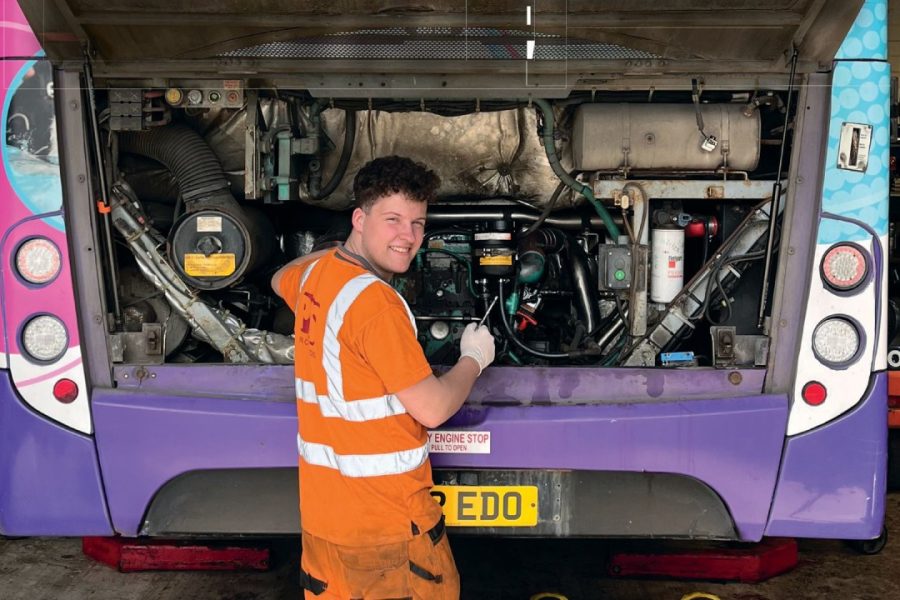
(437, 43)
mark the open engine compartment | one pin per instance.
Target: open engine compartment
(605, 229)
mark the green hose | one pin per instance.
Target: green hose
(581, 188)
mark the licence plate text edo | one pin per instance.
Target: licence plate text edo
(488, 505)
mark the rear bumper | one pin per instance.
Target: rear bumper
(731, 446)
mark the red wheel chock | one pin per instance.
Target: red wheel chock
(131, 554)
(752, 564)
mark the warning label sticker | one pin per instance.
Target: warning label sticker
(459, 442)
(209, 224)
(214, 265)
(492, 261)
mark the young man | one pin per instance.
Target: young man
(365, 395)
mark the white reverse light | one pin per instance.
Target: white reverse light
(836, 341)
(45, 338)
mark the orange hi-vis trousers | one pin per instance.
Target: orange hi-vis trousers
(420, 569)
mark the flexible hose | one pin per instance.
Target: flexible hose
(547, 210)
(346, 152)
(511, 335)
(585, 286)
(579, 187)
(192, 162)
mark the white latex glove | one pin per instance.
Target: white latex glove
(478, 344)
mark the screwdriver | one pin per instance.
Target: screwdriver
(488, 311)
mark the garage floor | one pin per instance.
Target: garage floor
(38, 568)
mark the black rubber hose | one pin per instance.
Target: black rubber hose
(547, 210)
(346, 153)
(585, 298)
(511, 335)
(554, 240)
(201, 179)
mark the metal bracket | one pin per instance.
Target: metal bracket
(730, 349)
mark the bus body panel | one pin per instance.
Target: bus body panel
(853, 208)
(49, 480)
(821, 494)
(146, 439)
(32, 207)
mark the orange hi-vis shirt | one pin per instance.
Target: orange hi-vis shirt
(364, 468)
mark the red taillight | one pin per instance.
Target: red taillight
(814, 393)
(38, 260)
(65, 390)
(844, 267)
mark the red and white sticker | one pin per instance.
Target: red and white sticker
(459, 442)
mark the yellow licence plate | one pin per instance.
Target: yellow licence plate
(488, 505)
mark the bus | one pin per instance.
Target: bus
(673, 215)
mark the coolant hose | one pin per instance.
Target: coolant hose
(584, 284)
(532, 251)
(584, 190)
(346, 152)
(511, 335)
(201, 179)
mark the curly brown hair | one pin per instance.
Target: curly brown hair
(394, 175)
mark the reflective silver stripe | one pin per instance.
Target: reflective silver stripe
(307, 272)
(362, 465)
(333, 403)
(367, 409)
(331, 347)
(302, 283)
(409, 313)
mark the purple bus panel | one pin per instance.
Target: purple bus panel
(49, 480)
(146, 439)
(149, 431)
(824, 493)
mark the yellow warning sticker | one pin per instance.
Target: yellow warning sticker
(504, 260)
(214, 265)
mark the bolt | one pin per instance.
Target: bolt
(735, 378)
(791, 250)
(81, 178)
(73, 105)
(782, 323)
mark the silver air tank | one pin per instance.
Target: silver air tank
(664, 137)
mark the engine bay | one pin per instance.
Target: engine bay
(605, 229)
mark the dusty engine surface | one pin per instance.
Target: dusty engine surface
(607, 233)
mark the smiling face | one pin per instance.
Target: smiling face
(389, 234)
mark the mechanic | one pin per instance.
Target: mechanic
(365, 396)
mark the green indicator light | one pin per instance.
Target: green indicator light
(619, 275)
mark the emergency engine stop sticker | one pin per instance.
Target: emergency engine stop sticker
(214, 265)
(459, 442)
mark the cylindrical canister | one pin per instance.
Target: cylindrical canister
(212, 249)
(494, 251)
(664, 137)
(666, 263)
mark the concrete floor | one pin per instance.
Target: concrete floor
(39, 568)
